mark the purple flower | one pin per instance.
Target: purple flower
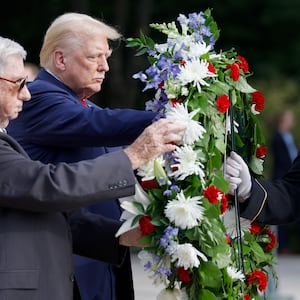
(196, 20)
(154, 105)
(167, 193)
(164, 271)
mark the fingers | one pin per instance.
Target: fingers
(238, 160)
(234, 181)
(169, 130)
(232, 168)
(132, 238)
(238, 176)
(233, 163)
(155, 140)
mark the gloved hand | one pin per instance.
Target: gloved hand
(238, 175)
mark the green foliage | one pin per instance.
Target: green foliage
(221, 109)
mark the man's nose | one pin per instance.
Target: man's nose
(24, 94)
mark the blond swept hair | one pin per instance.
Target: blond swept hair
(70, 31)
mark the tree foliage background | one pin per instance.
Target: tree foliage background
(265, 32)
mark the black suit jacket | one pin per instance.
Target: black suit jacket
(281, 157)
(275, 202)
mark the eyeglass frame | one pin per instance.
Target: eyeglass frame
(20, 82)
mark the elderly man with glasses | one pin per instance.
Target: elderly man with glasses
(36, 198)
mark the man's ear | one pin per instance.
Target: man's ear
(59, 60)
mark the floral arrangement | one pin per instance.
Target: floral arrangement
(188, 220)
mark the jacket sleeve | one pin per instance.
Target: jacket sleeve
(275, 202)
(31, 185)
(93, 236)
(57, 114)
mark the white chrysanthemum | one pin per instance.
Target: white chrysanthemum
(167, 294)
(195, 71)
(184, 212)
(130, 210)
(230, 224)
(146, 171)
(194, 130)
(235, 274)
(187, 163)
(186, 256)
(197, 50)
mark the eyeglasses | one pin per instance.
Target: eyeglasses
(20, 82)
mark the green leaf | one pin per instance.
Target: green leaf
(207, 295)
(219, 88)
(139, 206)
(222, 258)
(258, 252)
(210, 275)
(243, 86)
(220, 144)
(256, 165)
(220, 182)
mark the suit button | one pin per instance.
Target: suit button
(71, 277)
(123, 183)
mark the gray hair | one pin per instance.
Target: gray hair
(70, 31)
(9, 48)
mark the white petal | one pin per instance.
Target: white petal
(126, 226)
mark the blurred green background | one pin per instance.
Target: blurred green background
(264, 32)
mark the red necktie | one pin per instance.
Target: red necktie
(84, 103)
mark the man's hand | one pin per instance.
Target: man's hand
(131, 238)
(156, 139)
(238, 176)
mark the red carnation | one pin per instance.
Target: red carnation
(146, 226)
(243, 63)
(259, 100)
(247, 297)
(183, 275)
(228, 239)
(255, 227)
(235, 71)
(212, 194)
(149, 184)
(273, 240)
(223, 103)
(257, 277)
(261, 151)
(224, 203)
(211, 68)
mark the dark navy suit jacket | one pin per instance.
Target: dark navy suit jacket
(281, 157)
(55, 127)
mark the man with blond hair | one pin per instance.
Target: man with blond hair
(60, 124)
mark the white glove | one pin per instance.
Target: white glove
(238, 175)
